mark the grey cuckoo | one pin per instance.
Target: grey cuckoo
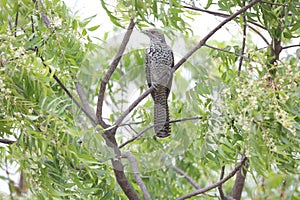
(159, 62)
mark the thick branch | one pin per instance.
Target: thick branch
(204, 40)
(237, 189)
(136, 174)
(187, 177)
(159, 124)
(109, 137)
(109, 73)
(203, 190)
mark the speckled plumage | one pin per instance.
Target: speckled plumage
(159, 62)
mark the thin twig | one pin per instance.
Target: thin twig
(136, 173)
(133, 129)
(211, 33)
(261, 35)
(291, 46)
(36, 49)
(16, 21)
(278, 4)
(132, 123)
(218, 14)
(187, 177)
(212, 186)
(159, 124)
(109, 73)
(69, 93)
(6, 141)
(230, 52)
(244, 41)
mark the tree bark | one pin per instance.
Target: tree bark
(238, 186)
(109, 137)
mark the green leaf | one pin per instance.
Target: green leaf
(287, 35)
(209, 2)
(93, 28)
(296, 26)
(112, 18)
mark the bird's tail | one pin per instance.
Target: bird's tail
(161, 112)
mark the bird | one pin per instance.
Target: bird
(159, 61)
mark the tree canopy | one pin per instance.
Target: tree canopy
(76, 119)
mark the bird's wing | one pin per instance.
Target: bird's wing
(148, 71)
(147, 64)
(171, 76)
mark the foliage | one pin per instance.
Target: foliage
(252, 112)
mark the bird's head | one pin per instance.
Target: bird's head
(154, 35)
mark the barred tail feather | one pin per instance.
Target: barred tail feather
(161, 112)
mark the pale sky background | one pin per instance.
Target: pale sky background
(201, 26)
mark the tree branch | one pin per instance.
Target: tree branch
(159, 124)
(109, 73)
(69, 93)
(187, 177)
(237, 189)
(36, 49)
(291, 46)
(203, 190)
(218, 14)
(204, 40)
(132, 123)
(244, 41)
(236, 54)
(109, 137)
(183, 60)
(84, 100)
(6, 141)
(132, 106)
(136, 174)
(224, 50)
(278, 4)
(258, 33)
(222, 196)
